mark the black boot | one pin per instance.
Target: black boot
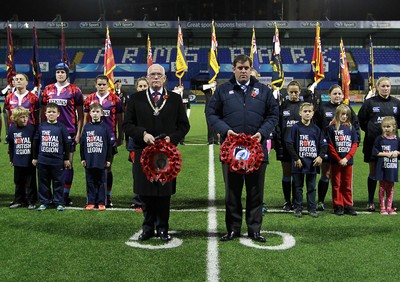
(286, 188)
(322, 190)
(371, 193)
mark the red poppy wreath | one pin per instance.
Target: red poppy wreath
(161, 162)
(241, 153)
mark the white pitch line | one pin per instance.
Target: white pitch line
(212, 247)
(132, 210)
(200, 210)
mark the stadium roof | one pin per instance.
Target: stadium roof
(92, 10)
(130, 21)
(201, 29)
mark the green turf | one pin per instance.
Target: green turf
(78, 245)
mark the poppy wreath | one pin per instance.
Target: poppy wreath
(241, 153)
(161, 162)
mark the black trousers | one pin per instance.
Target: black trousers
(212, 136)
(96, 186)
(136, 199)
(51, 175)
(25, 185)
(156, 213)
(254, 183)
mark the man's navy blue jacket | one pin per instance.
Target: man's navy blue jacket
(244, 112)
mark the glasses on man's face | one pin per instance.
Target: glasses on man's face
(156, 75)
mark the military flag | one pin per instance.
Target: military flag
(213, 65)
(317, 59)
(344, 73)
(149, 53)
(278, 75)
(64, 54)
(371, 79)
(109, 62)
(10, 64)
(37, 74)
(254, 53)
(181, 64)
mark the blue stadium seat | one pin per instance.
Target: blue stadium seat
(197, 59)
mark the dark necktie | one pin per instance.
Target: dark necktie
(156, 97)
(244, 87)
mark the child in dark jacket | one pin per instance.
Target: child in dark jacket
(387, 150)
(306, 146)
(51, 156)
(20, 139)
(342, 145)
(96, 155)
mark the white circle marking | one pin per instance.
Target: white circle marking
(134, 242)
(288, 242)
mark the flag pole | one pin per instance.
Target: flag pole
(180, 78)
(180, 63)
(317, 61)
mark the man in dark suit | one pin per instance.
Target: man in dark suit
(149, 114)
(244, 105)
(121, 94)
(212, 135)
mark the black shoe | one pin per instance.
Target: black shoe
(338, 210)
(145, 236)
(230, 236)
(164, 236)
(109, 204)
(287, 206)
(257, 237)
(15, 205)
(349, 210)
(68, 202)
(313, 214)
(297, 213)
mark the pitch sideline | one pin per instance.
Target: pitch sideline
(212, 245)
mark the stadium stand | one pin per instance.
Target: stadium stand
(89, 62)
